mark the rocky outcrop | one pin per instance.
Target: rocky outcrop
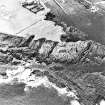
(49, 51)
(45, 50)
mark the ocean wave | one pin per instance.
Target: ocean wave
(23, 75)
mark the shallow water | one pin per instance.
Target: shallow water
(96, 28)
(15, 95)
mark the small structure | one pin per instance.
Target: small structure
(34, 6)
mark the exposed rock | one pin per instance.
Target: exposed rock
(27, 41)
(73, 34)
(49, 51)
(10, 40)
(46, 49)
(69, 52)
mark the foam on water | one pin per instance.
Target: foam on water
(102, 102)
(6, 81)
(24, 75)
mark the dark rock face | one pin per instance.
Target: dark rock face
(50, 51)
(73, 34)
(69, 52)
(47, 50)
(10, 40)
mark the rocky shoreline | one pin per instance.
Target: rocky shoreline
(74, 65)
